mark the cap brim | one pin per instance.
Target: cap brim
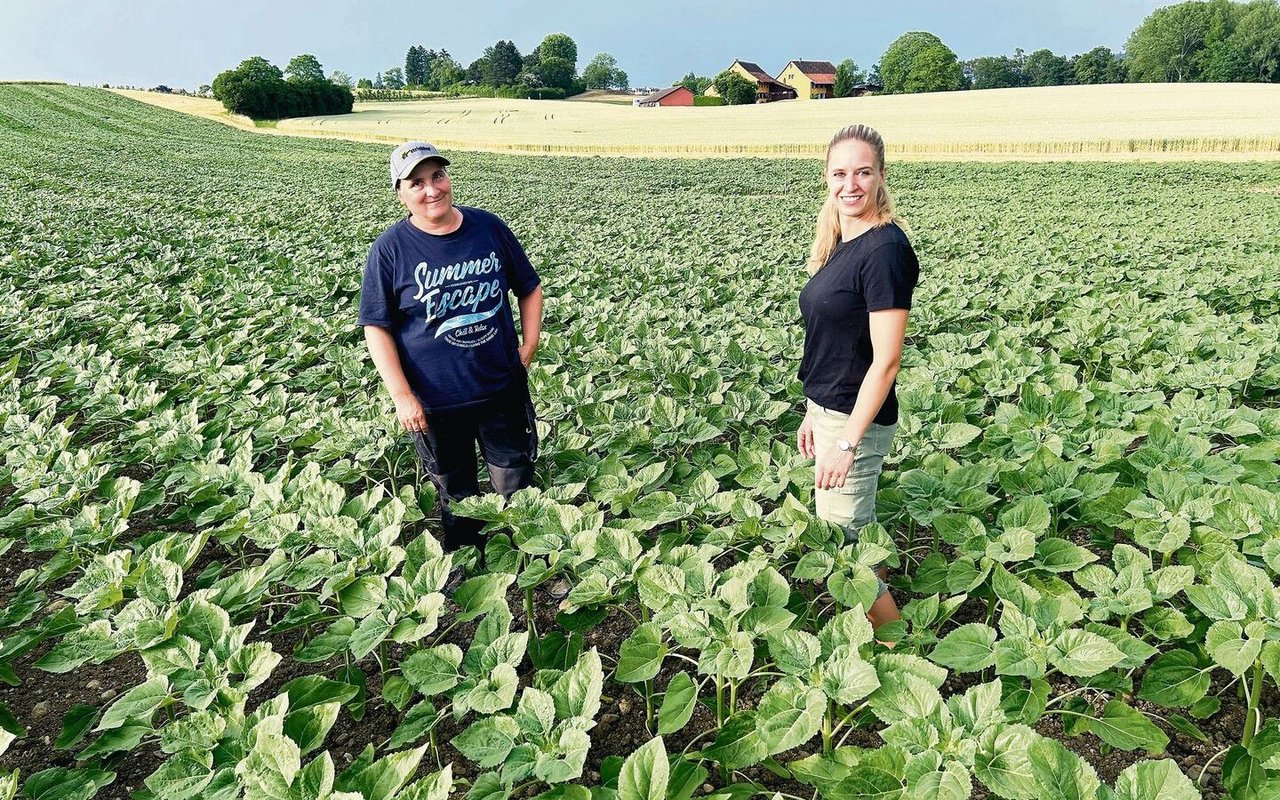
(412, 165)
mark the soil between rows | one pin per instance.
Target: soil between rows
(42, 700)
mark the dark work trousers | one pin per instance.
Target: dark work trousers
(505, 429)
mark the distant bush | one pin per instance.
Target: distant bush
(34, 83)
(257, 89)
(704, 100)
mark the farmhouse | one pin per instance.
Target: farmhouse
(674, 96)
(767, 89)
(812, 80)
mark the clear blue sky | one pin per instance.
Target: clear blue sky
(184, 44)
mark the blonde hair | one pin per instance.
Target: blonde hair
(827, 235)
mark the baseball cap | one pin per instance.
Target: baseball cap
(409, 155)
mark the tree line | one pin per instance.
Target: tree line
(550, 70)
(1214, 41)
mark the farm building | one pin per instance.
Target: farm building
(767, 88)
(673, 96)
(812, 80)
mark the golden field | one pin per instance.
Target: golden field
(1127, 121)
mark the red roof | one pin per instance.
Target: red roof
(817, 71)
(657, 97)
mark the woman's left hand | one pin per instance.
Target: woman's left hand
(833, 468)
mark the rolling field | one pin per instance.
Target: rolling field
(1122, 122)
(217, 571)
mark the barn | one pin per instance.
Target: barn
(673, 96)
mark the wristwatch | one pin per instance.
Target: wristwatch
(845, 445)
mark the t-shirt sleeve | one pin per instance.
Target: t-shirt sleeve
(521, 276)
(377, 293)
(889, 276)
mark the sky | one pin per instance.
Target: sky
(183, 44)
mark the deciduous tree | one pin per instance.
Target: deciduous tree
(734, 89)
(393, 78)
(1046, 68)
(995, 72)
(694, 83)
(847, 76)
(918, 61)
(304, 68)
(602, 72)
(1099, 65)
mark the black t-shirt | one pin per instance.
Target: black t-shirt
(444, 300)
(875, 271)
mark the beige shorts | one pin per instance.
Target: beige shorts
(853, 505)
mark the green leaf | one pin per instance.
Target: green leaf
(1061, 774)
(645, 773)
(9, 723)
(182, 776)
(737, 744)
(477, 595)
(116, 740)
(309, 726)
(1175, 679)
(1229, 647)
(137, 704)
(199, 731)
(59, 783)
(488, 741)
(1242, 774)
(1125, 727)
(1003, 761)
(794, 652)
(1155, 780)
(315, 780)
(75, 724)
(433, 670)
(678, 703)
(435, 786)
(577, 691)
(641, 655)
(846, 678)
(1024, 700)
(334, 640)
(382, 779)
(397, 691)
(969, 648)
(789, 714)
(493, 694)
(1082, 654)
(416, 724)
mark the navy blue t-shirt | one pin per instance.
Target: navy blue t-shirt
(872, 272)
(444, 300)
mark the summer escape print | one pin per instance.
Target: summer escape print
(469, 290)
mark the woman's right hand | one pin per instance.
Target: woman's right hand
(409, 412)
(804, 437)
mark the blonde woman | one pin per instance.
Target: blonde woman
(862, 273)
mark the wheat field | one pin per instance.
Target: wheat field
(1128, 121)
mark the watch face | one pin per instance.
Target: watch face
(844, 445)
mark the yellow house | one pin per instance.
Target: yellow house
(767, 88)
(812, 80)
